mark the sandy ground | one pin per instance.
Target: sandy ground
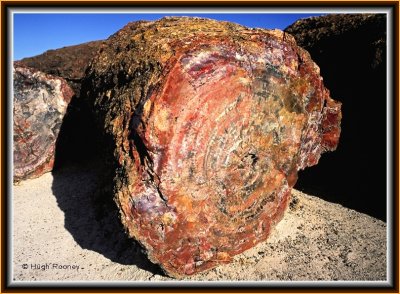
(60, 234)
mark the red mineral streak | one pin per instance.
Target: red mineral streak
(212, 148)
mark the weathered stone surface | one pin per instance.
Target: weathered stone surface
(209, 122)
(40, 102)
(351, 50)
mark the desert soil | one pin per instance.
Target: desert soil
(63, 232)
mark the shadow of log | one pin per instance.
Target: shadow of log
(82, 185)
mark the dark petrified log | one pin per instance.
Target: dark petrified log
(350, 49)
(40, 102)
(209, 123)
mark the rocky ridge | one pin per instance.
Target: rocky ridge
(69, 62)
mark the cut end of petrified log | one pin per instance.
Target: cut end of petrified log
(40, 102)
(211, 122)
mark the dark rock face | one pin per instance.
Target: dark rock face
(209, 123)
(351, 52)
(40, 102)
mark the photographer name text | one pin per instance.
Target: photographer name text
(51, 266)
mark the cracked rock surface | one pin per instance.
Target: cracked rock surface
(40, 102)
(209, 123)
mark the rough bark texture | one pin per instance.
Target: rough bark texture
(40, 102)
(350, 49)
(209, 123)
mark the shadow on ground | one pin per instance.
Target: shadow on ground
(82, 185)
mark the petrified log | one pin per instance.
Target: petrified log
(210, 122)
(40, 102)
(356, 43)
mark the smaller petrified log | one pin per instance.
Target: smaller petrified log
(40, 102)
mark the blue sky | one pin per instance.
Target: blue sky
(35, 33)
